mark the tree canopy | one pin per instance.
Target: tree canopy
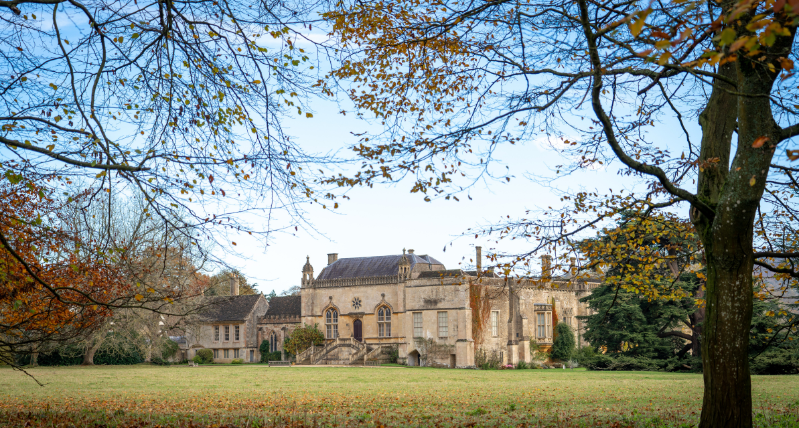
(451, 81)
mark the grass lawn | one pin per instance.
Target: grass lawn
(256, 395)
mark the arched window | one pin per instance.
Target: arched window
(384, 322)
(331, 324)
(273, 342)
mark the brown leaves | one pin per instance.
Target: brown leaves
(759, 142)
(792, 154)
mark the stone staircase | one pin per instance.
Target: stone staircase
(342, 351)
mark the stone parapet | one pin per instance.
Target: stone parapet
(351, 282)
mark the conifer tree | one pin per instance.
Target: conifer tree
(563, 346)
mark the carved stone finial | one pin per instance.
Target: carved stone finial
(403, 251)
(383, 296)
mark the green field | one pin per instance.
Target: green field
(255, 395)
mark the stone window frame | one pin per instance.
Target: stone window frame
(273, 342)
(236, 333)
(227, 353)
(235, 353)
(331, 323)
(227, 333)
(420, 327)
(443, 325)
(216, 333)
(494, 323)
(544, 328)
(216, 353)
(384, 321)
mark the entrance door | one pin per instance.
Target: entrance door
(357, 330)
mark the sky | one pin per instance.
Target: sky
(385, 220)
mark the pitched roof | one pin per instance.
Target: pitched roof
(284, 305)
(356, 267)
(230, 308)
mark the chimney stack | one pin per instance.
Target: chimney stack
(234, 285)
(410, 251)
(546, 267)
(332, 257)
(479, 259)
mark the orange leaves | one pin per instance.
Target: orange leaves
(759, 142)
(792, 154)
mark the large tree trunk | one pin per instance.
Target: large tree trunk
(734, 193)
(91, 348)
(697, 321)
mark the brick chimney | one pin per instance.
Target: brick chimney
(234, 285)
(332, 257)
(479, 259)
(410, 251)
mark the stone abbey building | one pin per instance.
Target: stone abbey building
(411, 304)
(408, 304)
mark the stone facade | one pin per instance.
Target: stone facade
(414, 306)
(229, 326)
(282, 317)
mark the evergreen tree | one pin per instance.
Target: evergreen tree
(563, 346)
(264, 350)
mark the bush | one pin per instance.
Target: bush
(270, 356)
(264, 350)
(563, 346)
(303, 337)
(522, 365)
(585, 355)
(206, 356)
(197, 359)
(237, 361)
(487, 361)
(775, 362)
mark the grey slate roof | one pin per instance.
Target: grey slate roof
(284, 305)
(230, 308)
(357, 267)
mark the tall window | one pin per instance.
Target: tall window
(227, 353)
(544, 324)
(495, 323)
(235, 353)
(227, 333)
(236, 332)
(417, 324)
(331, 323)
(216, 333)
(216, 353)
(443, 325)
(384, 322)
(273, 342)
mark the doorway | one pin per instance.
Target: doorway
(357, 330)
(452, 361)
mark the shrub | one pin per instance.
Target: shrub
(303, 337)
(522, 365)
(264, 350)
(270, 356)
(585, 355)
(487, 360)
(197, 359)
(563, 346)
(393, 354)
(237, 361)
(775, 362)
(206, 356)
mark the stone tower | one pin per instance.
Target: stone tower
(404, 267)
(307, 273)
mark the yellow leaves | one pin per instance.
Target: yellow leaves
(256, 82)
(150, 290)
(727, 36)
(752, 181)
(664, 58)
(637, 23)
(662, 44)
(23, 79)
(55, 88)
(138, 297)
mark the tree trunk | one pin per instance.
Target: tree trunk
(734, 193)
(697, 320)
(88, 356)
(34, 359)
(91, 348)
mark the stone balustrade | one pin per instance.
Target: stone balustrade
(350, 282)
